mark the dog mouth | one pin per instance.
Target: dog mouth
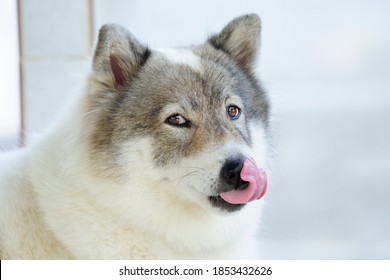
(250, 183)
(219, 202)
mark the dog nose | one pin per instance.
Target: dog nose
(230, 175)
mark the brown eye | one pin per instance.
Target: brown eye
(233, 112)
(177, 120)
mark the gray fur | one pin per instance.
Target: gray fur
(240, 39)
(116, 46)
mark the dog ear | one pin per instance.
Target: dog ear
(118, 56)
(240, 39)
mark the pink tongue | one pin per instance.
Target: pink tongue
(258, 182)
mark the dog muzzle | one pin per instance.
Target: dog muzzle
(258, 182)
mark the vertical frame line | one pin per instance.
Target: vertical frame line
(22, 134)
(91, 19)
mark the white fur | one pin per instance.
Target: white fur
(182, 56)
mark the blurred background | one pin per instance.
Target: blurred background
(325, 64)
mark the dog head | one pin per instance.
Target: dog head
(188, 121)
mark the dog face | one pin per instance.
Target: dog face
(186, 119)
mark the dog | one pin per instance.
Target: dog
(163, 155)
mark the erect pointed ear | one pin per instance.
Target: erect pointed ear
(240, 39)
(118, 56)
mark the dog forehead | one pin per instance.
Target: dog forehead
(194, 78)
(181, 56)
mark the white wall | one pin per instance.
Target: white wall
(56, 47)
(10, 114)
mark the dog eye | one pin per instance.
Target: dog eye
(233, 112)
(177, 120)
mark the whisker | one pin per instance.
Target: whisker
(180, 178)
(188, 174)
(160, 182)
(193, 167)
